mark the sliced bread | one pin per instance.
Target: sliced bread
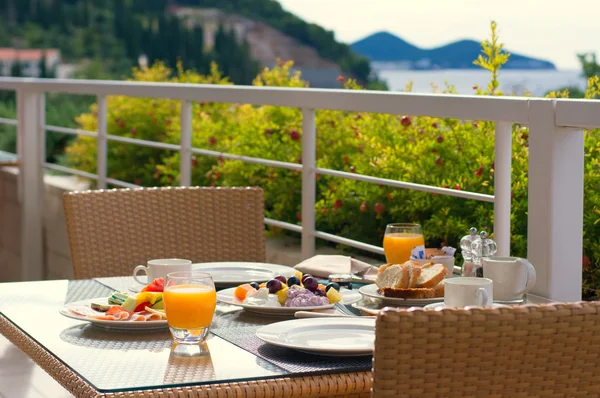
(392, 276)
(414, 271)
(415, 293)
(431, 275)
(439, 288)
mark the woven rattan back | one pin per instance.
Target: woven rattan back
(525, 351)
(110, 232)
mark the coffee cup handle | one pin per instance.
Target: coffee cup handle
(485, 297)
(135, 273)
(531, 276)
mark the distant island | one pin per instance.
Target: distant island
(388, 51)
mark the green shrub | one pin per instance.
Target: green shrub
(433, 151)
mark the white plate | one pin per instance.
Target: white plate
(369, 307)
(372, 291)
(443, 305)
(228, 274)
(226, 297)
(122, 325)
(326, 336)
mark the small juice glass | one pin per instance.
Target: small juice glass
(400, 240)
(190, 300)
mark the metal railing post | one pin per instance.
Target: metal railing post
(31, 117)
(502, 187)
(309, 139)
(555, 209)
(101, 142)
(185, 154)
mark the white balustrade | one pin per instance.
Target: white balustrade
(555, 219)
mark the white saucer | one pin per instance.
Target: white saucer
(443, 305)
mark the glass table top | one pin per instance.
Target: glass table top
(115, 360)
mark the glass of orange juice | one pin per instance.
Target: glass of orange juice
(190, 300)
(400, 240)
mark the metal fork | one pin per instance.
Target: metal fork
(343, 309)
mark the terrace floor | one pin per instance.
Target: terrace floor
(20, 377)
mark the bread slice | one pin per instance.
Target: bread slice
(431, 275)
(384, 267)
(415, 293)
(392, 276)
(439, 288)
(414, 271)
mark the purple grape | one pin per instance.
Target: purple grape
(311, 283)
(334, 285)
(306, 276)
(293, 281)
(320, 292)
(281, 278)
(274, 286)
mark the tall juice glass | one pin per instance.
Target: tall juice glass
(400, 240)
(190, 300)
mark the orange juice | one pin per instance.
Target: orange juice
(397, 246)
(189, 306)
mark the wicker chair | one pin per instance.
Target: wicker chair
(525, 351)
(112, 231)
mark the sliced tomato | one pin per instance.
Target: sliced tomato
(157, 285)
(142, 306)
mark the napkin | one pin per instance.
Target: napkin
(322, 266)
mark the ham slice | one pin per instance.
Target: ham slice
(115, 313)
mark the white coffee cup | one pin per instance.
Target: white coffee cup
(512, 276)
(160, 268)
(468, 291)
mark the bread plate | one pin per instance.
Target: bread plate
(372, 291)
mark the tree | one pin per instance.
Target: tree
(589, 65)
(16, 69)
(42, 66)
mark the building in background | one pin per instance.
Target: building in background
(29, 60)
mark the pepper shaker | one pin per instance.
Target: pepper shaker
(468, 268)
(481, 248)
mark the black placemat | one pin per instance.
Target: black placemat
(288, 359)
(86, 289)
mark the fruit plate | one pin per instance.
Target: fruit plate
(324, 336)
(372, 291)
(226, 297)
(109, 324)
(229, 274)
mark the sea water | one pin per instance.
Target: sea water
(538, 82)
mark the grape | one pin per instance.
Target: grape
(255, 285)
(306, 276)
(274, 286)
(334, 285)
(281, 278)
(293, 281)
(320, 292)
(311, 283)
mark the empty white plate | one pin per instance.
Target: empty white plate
(326, 336)
(443, 305)
(227, 274)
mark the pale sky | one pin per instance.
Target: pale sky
(550, 29)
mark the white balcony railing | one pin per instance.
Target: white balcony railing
(555, 211)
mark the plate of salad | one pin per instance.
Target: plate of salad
(121, 310)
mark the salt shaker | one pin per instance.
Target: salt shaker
(468, 267)
(483, 247)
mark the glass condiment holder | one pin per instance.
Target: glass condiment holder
(481, 248)
(466, 242)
